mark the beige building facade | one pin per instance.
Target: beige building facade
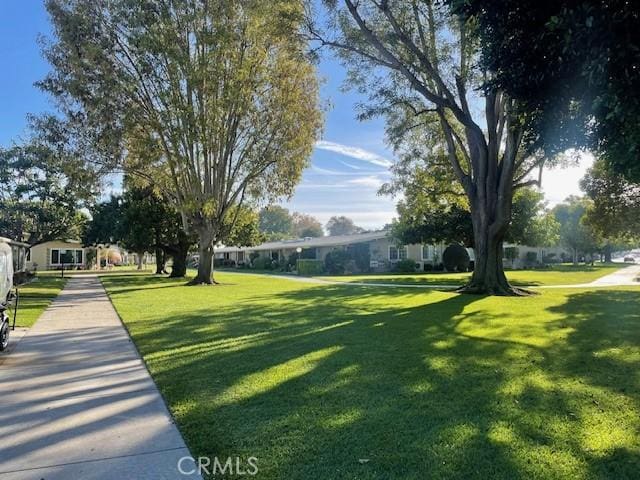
(51, 255)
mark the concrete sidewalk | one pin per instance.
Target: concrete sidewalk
(77, 402)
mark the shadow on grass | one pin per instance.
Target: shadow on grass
(338, 381)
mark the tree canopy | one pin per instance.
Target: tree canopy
(305, 225)
(575, 234)
(44, 185)
(572, 65)
(217, 96)
(419, 63)
(615, 209)
(341, 225)
(275, 223)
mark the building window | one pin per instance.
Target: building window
(74, 257)
(28, 254)
(397, 253)
(241, 256)
(226, 255)
(427, 252)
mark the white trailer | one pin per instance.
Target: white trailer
(12, 273)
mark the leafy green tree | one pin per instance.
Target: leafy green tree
(275, 223)
(44, 185)
(425, 217)
(575, 234)
(341, 225)
(306, 226)
(141, 221)
(573, 67)
(616, 202)
(219, 93)
(106, 224)
(531, 223)
(419, 63)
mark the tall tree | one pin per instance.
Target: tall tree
(306, 226)
(341, 225)
(275, 222)
(44, 185)
(419, 60)
(575, 234)
(615, 211)
(573, 65)
(222, 90)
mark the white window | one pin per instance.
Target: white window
(427, 252)
(397, 253)
(71, 256)
(241, 256)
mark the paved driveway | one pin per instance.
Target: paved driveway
(77, 402)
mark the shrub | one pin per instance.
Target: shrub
(309, 267)
(456, 258)
(361, 256)
(531, 257)
(337, 262)
(405, 266)
(511, 253)
(438, 267)
(223, 262)
(428, 267)
(262, 263)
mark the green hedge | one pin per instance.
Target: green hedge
(309, 267)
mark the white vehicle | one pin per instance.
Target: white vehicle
(12, 273)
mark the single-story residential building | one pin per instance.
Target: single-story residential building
(383, 250)
(51, 255)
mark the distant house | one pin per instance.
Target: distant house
(384, 251)
(51, 255)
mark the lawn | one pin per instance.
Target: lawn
(555, 275)
(36, 296)
(339, 381)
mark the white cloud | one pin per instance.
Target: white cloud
(370, 181)
(354, 152)
(349, 165)
(325, 171)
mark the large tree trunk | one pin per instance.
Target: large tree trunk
(140, 260)
(160, 261)
(490, 223)
(179, 268)
(179, 254)
(205, 264)
(608, 249)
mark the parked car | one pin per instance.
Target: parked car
(629, 260)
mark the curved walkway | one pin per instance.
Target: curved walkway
(77, 402)
(626, 276)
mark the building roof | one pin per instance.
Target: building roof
(13, 242)
(311, 242)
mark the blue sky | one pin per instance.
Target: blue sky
(347, 167)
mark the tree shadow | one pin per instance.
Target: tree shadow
(340, 381)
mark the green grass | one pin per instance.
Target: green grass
(555, 275)
(311, 379)
(36, 296)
